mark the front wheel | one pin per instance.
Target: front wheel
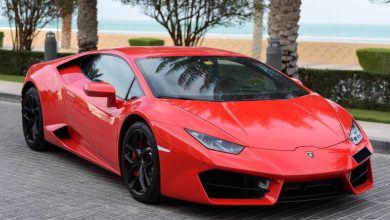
(32, 120)
(140, 163)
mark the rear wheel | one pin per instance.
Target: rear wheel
(140, 163)
(32, 120)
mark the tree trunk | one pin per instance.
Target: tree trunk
(257, 38)
(283, 21)
(66, 31)
(87, 25)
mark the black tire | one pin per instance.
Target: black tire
(32, 120)
(140, 163)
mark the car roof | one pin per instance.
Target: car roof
(144, 52)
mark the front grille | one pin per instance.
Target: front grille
(314, 190)
(359, 175)
(223, 184)
(362, 155)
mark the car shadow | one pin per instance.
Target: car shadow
(75, 160)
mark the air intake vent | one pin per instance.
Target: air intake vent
(362, 155)
(314, 190)
(359, 175)
(62, 133)
(223, 184)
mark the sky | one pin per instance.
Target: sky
(312, 11)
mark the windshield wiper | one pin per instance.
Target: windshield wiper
(174, 97)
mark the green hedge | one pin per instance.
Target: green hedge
(375, 60)
(354, 89)
(18, 62)
(146, 42)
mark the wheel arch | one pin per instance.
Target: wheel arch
(26, 87)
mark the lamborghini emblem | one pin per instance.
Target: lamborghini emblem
(310, 154)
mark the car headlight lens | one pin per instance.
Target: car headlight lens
(356, 135)
(216, 144)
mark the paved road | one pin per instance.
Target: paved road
(55, 184)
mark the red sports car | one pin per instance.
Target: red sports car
(197, 124)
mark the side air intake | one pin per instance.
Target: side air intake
(62, 133)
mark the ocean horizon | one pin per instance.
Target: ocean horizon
(348, 33)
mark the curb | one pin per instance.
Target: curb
(381, 146)
(10, 97)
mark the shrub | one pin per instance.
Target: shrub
(146, 42)
(18, 62)
(375, 60)
(355, 89)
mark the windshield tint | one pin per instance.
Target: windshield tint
(215, 79)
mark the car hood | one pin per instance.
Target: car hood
(272, 124)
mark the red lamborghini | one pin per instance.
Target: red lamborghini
(197, 124)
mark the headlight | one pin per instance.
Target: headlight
(356, 135)
(216, 144)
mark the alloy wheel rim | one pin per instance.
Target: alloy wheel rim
(139, 163)
(30, 118)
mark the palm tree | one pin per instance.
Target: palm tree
(190, 69)
(87, 25)
(257, 38)
(66, 15)
(283, 21)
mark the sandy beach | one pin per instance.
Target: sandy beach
(311, 54)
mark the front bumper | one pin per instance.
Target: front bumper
(182, 166)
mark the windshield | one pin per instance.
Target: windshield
(215, 79)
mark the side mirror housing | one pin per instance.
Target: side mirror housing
(101, 89)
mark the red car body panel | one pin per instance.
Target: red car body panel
(251, 121)
(276, 134)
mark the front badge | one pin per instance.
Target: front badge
(310, 154)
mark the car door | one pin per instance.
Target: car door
(97, 123)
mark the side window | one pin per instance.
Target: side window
(110, 69)
(85, 63)
(135, 91)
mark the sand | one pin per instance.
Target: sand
(311, 54)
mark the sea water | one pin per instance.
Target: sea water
(353, 33)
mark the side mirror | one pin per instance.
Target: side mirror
(297, 81)
(101, 89)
